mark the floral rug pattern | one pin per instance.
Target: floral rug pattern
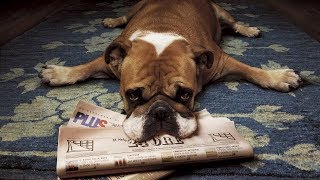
(283, 128)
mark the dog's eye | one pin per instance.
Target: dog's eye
(184, 95)
(134, 95)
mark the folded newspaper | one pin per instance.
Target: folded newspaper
(93, 143)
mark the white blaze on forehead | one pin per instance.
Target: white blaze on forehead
(159, 40)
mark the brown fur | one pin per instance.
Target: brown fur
(189, 63)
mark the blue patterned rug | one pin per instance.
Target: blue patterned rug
(283, 128)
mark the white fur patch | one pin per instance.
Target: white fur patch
(159, 40)
(187, 126)
(133, 127)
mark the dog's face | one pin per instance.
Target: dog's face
(158, 90)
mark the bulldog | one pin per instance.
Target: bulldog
(165, 54)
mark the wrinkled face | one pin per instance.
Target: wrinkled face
(158, 90)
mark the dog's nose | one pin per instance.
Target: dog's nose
(161, 112)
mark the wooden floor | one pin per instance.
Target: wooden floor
(305, 14)
(18, 16)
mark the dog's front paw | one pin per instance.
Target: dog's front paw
(54, 75)
(284, 80)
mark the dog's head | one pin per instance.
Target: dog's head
(158, 89)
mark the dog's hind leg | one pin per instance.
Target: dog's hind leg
(119, 21)
(227, 21)
(54, 75)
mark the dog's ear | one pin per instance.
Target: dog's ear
(117, 51)
(203, 57)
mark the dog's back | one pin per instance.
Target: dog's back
(193, 19)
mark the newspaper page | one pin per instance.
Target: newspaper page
(88, 115)
(98, 151)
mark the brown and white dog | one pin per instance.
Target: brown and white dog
(166, 53)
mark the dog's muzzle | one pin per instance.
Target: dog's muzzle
(159, 117)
